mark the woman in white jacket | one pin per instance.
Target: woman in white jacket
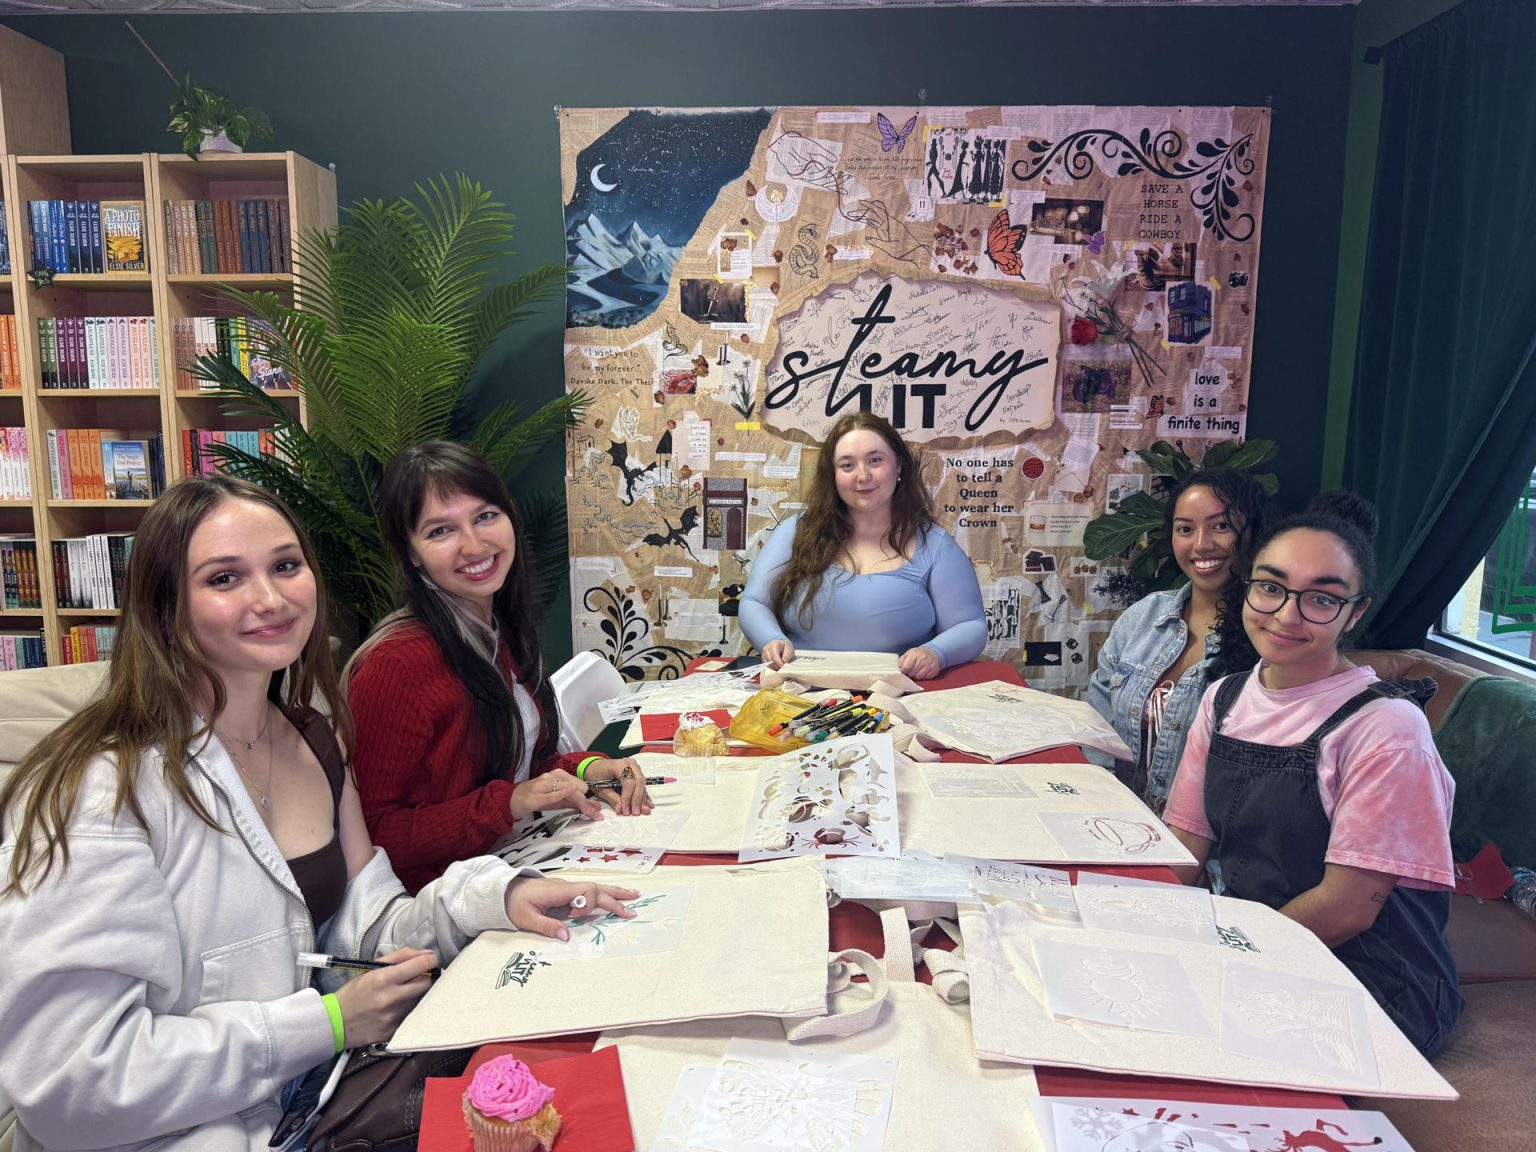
(154, 904)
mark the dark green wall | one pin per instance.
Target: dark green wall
(394, 98)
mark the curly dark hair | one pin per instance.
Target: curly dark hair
(1345, 515)
(824, 526)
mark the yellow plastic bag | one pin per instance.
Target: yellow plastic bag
(761, 713)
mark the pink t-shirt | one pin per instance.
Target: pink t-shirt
(1383, 785)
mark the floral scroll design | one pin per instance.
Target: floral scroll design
(1218, 195)
(625, 629)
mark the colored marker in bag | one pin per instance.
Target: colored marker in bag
(816, 723)
(348, 963)
(813, 710)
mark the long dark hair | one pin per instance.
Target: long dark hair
(824, 525)
(156, 664)
(444, 468)
(1248, 507)
(1345, 515)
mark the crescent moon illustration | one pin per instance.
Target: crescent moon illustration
(597, 183)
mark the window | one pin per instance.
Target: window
(1496, 608)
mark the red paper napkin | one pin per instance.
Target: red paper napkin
(656, 726)
(589, 1095)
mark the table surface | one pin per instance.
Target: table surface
(854, 925)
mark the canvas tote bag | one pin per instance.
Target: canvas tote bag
(726, 941)
(1012, 1019)
(943, 1097)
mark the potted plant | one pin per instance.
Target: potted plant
(1138, 519)
(208, 121)
(399, 306)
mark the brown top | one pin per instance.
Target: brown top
(322, 874)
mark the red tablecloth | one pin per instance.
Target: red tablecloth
(853, 925)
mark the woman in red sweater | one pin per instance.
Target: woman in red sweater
(456, 721)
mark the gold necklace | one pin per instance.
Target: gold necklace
(250, 746)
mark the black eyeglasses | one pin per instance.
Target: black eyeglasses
(1316, 607)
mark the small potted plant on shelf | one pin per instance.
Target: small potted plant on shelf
(208, 121)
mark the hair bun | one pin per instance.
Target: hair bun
(1348, 506)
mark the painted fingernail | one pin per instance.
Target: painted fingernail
(562, 934)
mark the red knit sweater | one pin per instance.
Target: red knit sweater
(417, 771)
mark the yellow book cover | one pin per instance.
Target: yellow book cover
(122, 234)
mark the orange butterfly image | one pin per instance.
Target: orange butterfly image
(1003, 243)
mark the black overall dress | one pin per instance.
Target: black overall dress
(1271, 837)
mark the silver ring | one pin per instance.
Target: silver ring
(578, 903)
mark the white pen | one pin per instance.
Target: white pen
(347, 963)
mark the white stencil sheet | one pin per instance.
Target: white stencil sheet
(765, 1097)
(1012, 1020)
(999, 721)
(1015, 828)
(916, 876)
(1125, 836)
(1297, 1021)
(977, 780)
(656, 829)
(837, 797)
(1107, 1119)
(657, 925)
(1177, 913)
(1148, 991)
(1046, 891)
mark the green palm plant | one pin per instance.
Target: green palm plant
(396, 307)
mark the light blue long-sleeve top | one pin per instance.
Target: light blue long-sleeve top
(932, 601)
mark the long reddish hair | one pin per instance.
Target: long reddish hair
(824, 526)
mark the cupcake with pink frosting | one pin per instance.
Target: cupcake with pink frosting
(508, 1110)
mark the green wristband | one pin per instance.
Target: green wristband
(338, 1028)
(581, 769)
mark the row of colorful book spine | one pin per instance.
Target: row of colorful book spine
(22, 650)
(15, 465)
(238, 339)
(88, 570)
(18, 572)
(98, 351)
(88, 643)
(198, 457)
(88, 236)
(100, 464)
(10, 356)
(228, 236)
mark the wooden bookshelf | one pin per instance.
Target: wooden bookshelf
(309, 191)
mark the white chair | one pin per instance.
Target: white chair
(579, 686)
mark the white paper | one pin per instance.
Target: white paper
(1080, 1129)
(1260, 1129)
(1046, 890)
(657, 926)
(1296, 1021)
(683, 1108)
(1174, 913)
(1122, 987)
(916, 876)
(656, 829)
(833, 798)
(1107, 836)
(975, 780)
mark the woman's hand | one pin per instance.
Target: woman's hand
(920, 663)
(557, 789)
(373, 1004)
(629, 799)
(530, 901)
(778, 653)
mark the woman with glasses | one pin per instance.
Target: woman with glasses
(1317, 787)
(1162, 652)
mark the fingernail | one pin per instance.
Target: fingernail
(562, 934)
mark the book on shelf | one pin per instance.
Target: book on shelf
(15, 465)
(87, 237)
(228, 237)
(97, 352)
(88, 570)
(10, 361)
(240, 340)
(125, 469)
(88, 643)
(18, 572)
(77, 464)
(5, 243)
(122, 235)
(22, 650)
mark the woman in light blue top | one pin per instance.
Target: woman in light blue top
(1163, 652)
(865, 568)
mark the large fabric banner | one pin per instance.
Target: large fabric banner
(1028, 294)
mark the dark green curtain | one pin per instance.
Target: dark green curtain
(1442, 428)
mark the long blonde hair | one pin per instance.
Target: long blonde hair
(156, 665)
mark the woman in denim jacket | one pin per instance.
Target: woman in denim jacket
(1163, 651)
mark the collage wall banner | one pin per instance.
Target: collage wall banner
(1028, 294)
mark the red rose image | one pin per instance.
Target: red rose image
(1084, 331)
